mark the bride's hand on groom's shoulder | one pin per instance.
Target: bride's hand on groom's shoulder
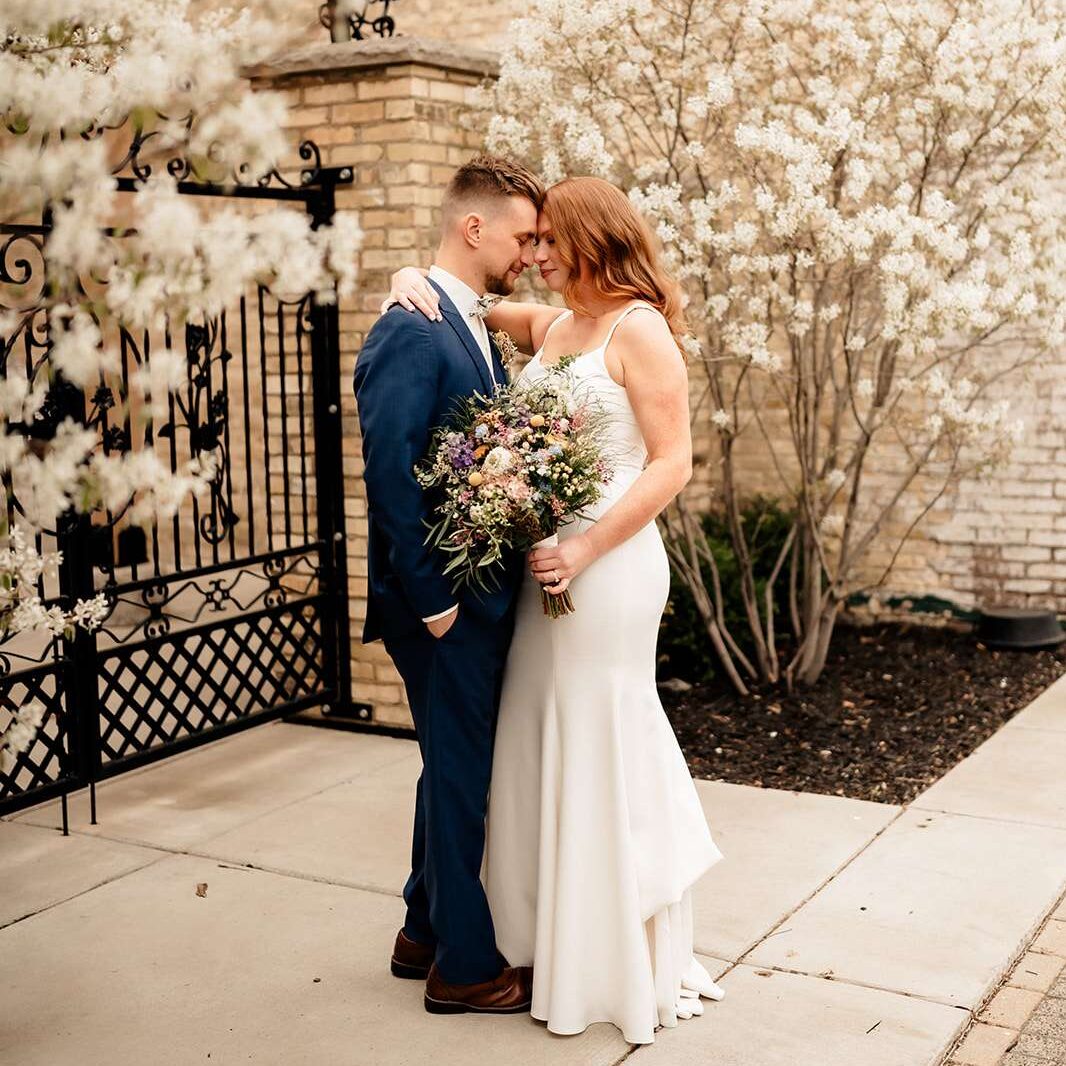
(412, 290)
(556, 567)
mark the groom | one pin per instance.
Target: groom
(449, 648)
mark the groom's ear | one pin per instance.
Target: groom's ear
(472, 227)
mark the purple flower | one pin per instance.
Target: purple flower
(461, 455)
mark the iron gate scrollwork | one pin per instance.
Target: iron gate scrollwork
(353, 23)
(236, 610)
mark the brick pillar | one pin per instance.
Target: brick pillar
(393, 111)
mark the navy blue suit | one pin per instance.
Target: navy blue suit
(408, 378)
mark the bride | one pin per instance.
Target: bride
(595, 833)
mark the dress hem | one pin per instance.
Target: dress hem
(610, 1021)
(594, 1021)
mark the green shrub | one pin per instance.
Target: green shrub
(685, 650)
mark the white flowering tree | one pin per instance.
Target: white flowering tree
(860, 197)
(79, 84)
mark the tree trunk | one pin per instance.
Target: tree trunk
(814, 663)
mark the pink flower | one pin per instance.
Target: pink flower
(517, 489)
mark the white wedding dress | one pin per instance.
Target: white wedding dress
(595, 833)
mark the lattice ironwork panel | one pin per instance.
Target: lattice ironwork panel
(198, 680)
(45, 763)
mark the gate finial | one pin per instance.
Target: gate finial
(349, 20)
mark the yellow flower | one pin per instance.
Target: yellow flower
(475, 479)
(537, 421)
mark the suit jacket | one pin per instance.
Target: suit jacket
(408, 378)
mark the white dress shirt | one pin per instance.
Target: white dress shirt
(465, 300)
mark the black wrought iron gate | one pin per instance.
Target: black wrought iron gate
(235, 611)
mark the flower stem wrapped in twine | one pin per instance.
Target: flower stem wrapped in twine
(555, 604)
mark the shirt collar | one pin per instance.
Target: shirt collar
(460, 294)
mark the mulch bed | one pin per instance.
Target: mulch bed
(897, 707)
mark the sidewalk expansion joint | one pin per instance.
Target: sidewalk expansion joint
(840, 980)
(85, 891)
(140, 842)
(777, 927)
(986, 817)
(277, 871)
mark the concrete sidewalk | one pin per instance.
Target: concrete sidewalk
(845, 932)
(1024, 1023)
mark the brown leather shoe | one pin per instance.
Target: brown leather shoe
(411, 959)
(509, 993)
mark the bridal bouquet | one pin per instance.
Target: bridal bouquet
(511, 468)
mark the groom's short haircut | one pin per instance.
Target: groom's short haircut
(486, 178)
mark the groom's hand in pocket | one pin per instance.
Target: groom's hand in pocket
(439, 626)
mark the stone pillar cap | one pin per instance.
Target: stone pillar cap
(375, 53)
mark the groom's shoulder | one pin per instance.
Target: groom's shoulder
(409, 329)
(398, 321)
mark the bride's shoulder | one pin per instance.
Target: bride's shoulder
(544, 318)
(644, 332)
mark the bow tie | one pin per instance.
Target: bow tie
(484, 305)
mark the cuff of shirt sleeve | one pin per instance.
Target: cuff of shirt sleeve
(443, 614)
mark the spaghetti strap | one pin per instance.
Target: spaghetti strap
(618, 321)
(551, 325)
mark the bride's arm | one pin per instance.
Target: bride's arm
(656, 383)
(525, 322)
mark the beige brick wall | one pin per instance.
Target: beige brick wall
(994, 540)
(1001, 539)
(479, 22)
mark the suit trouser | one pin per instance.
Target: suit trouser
(453, 688)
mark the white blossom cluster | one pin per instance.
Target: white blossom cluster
(154, 67)
(21, 608)
(18, 736)
(865, 200)
(77, 82)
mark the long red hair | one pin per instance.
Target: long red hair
(608, 247)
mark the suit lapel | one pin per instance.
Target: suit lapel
(462, 331)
